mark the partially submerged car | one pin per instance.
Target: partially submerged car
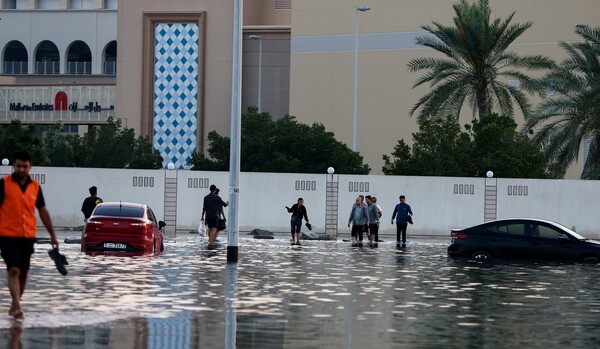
(523, 238)
(129, 227)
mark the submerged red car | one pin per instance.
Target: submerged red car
(129, 227)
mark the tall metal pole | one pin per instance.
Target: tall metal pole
(354, 131)
(236, 120)
(259, 73)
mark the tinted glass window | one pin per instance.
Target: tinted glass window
(546, 232)
(151, 215)
(109, 211)
(511, 229)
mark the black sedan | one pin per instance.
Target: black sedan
(522, 238)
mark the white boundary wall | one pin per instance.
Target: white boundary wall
(439, 203)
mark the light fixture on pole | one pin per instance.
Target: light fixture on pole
(259, 38)
(354, 130)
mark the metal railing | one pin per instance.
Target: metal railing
(47, 67)
(15, 67)
(110, 68)
(79, 67)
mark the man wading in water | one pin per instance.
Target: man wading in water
(19, 197)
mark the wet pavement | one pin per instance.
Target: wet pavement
(318, 295)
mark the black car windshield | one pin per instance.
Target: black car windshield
(115, 211)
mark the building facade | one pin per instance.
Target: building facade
(322, 61)
(59, 64)
(171, 77)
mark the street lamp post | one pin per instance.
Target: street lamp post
(259, 38)
(354, 131)
(235, 133)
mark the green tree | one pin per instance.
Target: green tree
(58, 148)
(498, 146)
(283, 145)
(18, 137)
(441, 148)
(477, 64)
(570, 111)
(112, 146)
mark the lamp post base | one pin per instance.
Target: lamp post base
(232, 254)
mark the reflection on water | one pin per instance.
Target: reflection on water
(321, 294)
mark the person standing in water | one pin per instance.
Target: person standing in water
(404, 214)
(298, 211)
(20, 195)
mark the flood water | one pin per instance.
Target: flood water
(319, 295)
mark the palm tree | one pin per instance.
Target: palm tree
(570, 112)
(477, 66)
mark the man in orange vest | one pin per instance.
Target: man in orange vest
(19, 196)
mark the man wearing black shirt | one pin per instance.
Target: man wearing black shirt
(213, 204)
(90, 203)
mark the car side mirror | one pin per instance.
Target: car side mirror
(161, 224)
(563, 238)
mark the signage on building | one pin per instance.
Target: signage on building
(57, 103)
(60, 103)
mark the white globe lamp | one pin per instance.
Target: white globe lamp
(171, 166)
(489, 174)
(330, 170)
(5, 162)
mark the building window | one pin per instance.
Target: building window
(15, 58)
(80, 4)
(79, 58)
(47, 58)
(110, 59)
(48, 4)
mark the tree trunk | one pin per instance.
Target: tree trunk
(483, 103)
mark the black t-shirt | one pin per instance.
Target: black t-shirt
(89, 204)
(39, 202)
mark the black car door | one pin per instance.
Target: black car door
(548, 242)
(508, 240)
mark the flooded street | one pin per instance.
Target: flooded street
(319, 295)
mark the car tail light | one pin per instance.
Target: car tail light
(459, 235)
(95, 223)
(138, 225)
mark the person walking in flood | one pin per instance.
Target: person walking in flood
(298, 211)
(373, 213)
(20, 195)
(358, 219)
(90, 203)
(211, 209)
(403, 214)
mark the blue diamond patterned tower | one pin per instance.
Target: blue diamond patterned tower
(175, 108)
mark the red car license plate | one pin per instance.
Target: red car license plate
(116, 245)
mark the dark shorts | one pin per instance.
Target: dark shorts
(296, 225)
(17, 252)
(212, 222)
